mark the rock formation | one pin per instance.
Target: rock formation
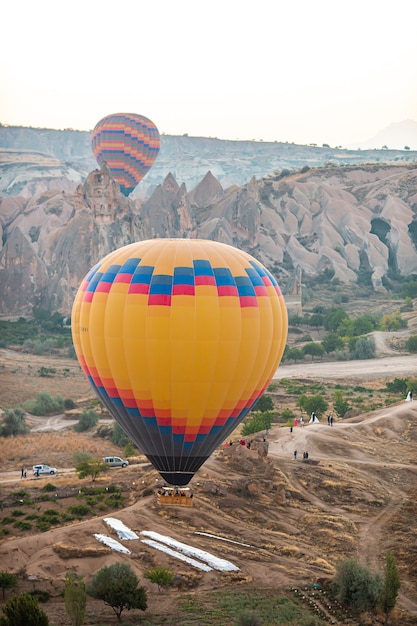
(341, 223)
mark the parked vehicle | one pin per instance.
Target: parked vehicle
(115, 461)
(43, 469)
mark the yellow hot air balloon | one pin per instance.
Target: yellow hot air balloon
(179, 338)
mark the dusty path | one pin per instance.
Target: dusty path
(283, 442)
(370, 369)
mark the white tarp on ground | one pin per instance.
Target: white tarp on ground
(123, 532)
(177, 555)
(214, 562)
(111, 543)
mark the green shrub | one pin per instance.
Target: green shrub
(13, 423)
(23, 610)
(119, 437)
(161, 576)
(22, 525)
(49, 487)
(411, 344)
(88, 419)
(79, 510)
(355, 586)
(41, 595)
(45, 404)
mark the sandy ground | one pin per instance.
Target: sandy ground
(371, 369)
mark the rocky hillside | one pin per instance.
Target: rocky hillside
(348, 224)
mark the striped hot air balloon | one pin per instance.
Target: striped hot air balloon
(128, 144)
(179, 338)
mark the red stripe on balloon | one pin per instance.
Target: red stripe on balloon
(159, 299)
(246, 301)
(140, 288)
(227, 290)
(183, 290)
(205, 280)
(123, 278)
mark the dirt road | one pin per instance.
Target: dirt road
(370, 369)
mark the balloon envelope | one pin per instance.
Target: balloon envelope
(179, 338)
(129, 144)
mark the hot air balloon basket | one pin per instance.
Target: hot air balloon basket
(171, 496)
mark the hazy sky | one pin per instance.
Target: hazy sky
(299, 71)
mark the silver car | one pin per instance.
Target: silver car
(115, 461)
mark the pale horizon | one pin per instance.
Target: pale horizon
(303, 73)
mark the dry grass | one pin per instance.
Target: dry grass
(55, 448)
(66, 551)
(292, 551)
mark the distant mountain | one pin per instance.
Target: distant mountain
(395, 137)
(53, 159)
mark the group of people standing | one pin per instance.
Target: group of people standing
(305, 455)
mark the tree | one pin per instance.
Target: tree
(356, 586)
(75, 596)
(412, 386)
(391, 586)
(313, 349)
(88, 419)
(13, 423)
(332, 342)
(333, 319)
(340, 405)
(315, 320)
(364, 348)
(313, 403)
(393, 322)
(117, 586)
(7, 581)
(264, 403)
(119, 437)
(398, 385)
(161, 576)
(258, 421)
(293, 354)
(90, 467)
(23, 610)
(411, 344)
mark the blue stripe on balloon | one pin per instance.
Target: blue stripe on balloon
(183, 276)
(203, 268)
(244, 286)
(224, 277)
(161, 285)
(110, 274)
(143, 275)
(129, 266)
(94, 281)
(254, 276)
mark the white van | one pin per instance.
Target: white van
(115, 461)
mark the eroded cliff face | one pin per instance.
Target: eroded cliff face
(345, 220)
